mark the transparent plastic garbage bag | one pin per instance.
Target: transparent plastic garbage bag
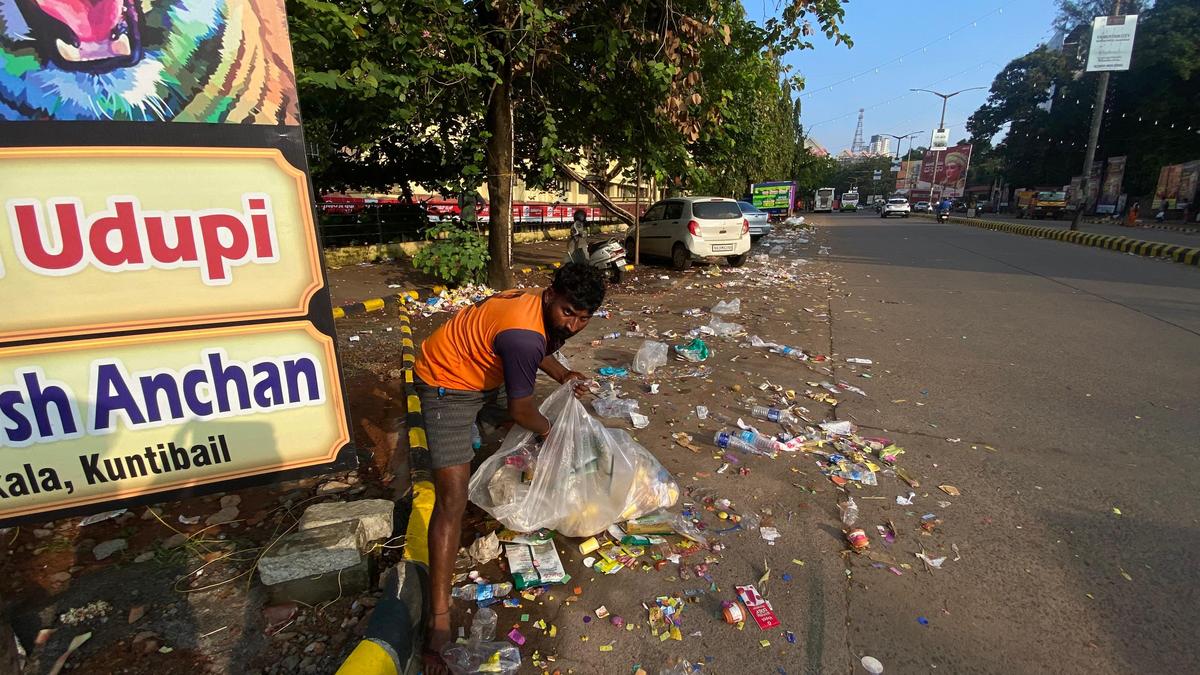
(651, 355)
(582, 479)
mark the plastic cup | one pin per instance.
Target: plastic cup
(702, 412)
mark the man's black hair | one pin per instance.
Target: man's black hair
(583, 285)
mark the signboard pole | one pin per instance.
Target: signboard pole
(1094, 133)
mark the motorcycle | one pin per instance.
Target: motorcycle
(608, 255)
(943, 216)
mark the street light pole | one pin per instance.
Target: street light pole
(909, 136)
(1093, 137)
(941, 126)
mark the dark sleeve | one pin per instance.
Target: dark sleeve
(520, 352)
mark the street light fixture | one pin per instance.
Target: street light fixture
(941, 127)
(909, 136)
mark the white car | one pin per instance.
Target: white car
(685, 228)
(896, 206)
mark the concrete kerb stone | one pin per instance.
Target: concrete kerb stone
(1187, 255)
(375, 516)
(312, 552)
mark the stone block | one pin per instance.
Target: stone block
(374, 514)
(347, 582)
(307, 553)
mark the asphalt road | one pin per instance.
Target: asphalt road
(1070, 377)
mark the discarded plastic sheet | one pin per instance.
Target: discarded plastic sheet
(694, 351)
(905, 501)
(649, 357)
(935, 563)
(613, 371)
(728, 306)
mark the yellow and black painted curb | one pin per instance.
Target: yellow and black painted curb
(1188, 255)
(415, 295)
(393, 634)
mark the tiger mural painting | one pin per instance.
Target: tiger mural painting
(146, 61)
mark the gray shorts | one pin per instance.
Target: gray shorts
(448, 415)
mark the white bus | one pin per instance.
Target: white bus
(823, 200)
(850, 201)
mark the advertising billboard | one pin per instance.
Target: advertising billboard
(951, 178)
(776, 197)
(165, 320)
(1110, 188)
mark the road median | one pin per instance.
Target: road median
(1188, 255)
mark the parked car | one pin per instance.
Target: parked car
(760, 221)
(686, 228)
(921, 207)
(896, 206)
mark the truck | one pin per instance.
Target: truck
(1041, 203)
(850, 201)
(823, 200)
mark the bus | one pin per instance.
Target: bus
(823, 200)
(850, 201)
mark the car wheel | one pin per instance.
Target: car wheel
(680, 258)
(882, 214)
(905, 215)
(738, 260)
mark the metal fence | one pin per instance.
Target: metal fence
(362, 224)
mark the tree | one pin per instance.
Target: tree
(396, 91)
(1044, 99)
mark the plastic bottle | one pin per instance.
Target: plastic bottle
(483, 627)
(764, 443)
(734, 440)
(484, 594)
(792, 353)
(762, 412)
(612, 336)
(849, 511)
(476, 439)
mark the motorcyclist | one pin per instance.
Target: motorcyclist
(944, 205)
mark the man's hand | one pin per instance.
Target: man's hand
(580, 379)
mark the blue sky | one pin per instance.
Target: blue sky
(984, 35)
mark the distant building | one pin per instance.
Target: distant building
(880, 145)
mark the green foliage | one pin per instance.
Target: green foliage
(454, 254)
(1150, 115)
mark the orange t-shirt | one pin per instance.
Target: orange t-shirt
(499, 340)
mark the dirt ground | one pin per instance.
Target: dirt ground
(183, 597)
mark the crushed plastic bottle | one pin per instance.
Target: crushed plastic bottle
(745, 441)
(480, 654)
(762, 412)
(476, 439)
(849, 512)
(484, 594)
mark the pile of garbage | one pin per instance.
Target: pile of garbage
(453, 299)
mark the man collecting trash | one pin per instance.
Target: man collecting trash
(483, 363)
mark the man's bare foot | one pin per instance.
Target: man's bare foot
(437, 635)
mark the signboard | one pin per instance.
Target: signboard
(895, 166)
(775, 197)
(1112, 42)
(941, 138)
(166, 325)
(951, 178)
(877, 174)
(1110, 188)
(1189, 179)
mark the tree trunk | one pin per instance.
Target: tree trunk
(621, 214)
(500, 181)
